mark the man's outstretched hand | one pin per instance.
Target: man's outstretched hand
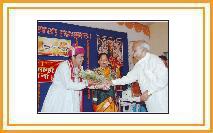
(144, 96)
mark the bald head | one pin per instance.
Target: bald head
(140, 49)
(141, 44)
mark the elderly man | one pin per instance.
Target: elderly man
(65, 93)
(152, 76)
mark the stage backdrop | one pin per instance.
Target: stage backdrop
(54, 40)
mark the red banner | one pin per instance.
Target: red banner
(46, 70)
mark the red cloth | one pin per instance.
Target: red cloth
(76, 50)
(73, 78)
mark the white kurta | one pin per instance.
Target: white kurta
(152, 75)
(64, 95)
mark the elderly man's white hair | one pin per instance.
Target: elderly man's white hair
(143, 44)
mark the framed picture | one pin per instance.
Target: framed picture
(190, 89)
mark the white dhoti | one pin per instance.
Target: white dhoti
(64, 95)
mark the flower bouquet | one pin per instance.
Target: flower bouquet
(91, 75)
(107, 72)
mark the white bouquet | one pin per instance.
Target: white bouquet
(91, 75)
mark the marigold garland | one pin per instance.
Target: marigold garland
(138, 27)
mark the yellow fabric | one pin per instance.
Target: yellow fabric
(108, 105)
